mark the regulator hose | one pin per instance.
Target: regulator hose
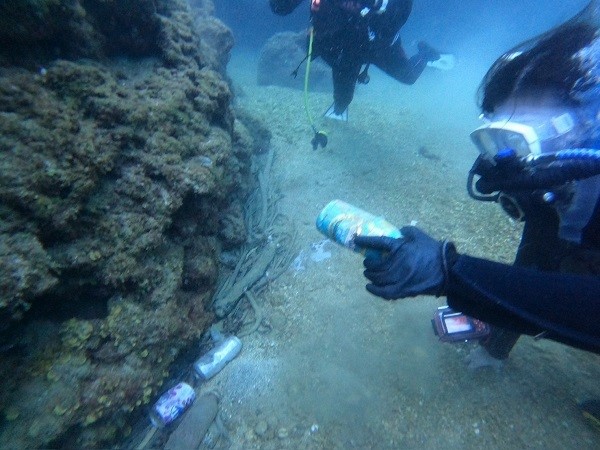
(541, 172)
(320, 137)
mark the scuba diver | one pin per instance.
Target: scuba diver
(351, 33)
(540, 160)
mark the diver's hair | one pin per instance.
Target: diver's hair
(547, 61)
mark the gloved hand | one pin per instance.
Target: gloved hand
(415, 264)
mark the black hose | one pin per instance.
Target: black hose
(541, 178)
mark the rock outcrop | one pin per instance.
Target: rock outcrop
(121, 158)
(281, 56)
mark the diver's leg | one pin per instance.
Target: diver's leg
(344, 83)
(393, 61)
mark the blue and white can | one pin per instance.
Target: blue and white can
(172, 404)
(342, 222)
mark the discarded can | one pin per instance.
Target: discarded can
(212, 362)
(342, 222)
(172, 404)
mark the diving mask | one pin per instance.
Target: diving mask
(528, 136)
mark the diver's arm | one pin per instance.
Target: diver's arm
(563, 307)
(284, 7)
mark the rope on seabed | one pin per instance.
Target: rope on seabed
(265, 190)
(258, 317)
(267, 254)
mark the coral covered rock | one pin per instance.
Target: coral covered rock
(121, 178)
(34, 32)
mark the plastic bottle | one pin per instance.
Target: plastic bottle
(342, 222)
(172, 404)
(212, 362)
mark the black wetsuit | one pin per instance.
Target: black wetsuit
(346, 40)
(553, 289)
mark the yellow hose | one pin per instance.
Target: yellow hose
(306, 76)
(320, 137)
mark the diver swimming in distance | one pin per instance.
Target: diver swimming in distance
(349, 35)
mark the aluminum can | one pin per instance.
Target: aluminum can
(212, 362)
(342, 222)
(172, 404)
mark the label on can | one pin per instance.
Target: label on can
(342, 222)
(172, 404)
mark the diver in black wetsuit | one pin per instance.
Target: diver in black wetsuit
(540, 159)
(353, 33)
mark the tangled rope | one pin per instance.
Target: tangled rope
(268, 252)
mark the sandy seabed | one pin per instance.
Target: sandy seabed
(340, 368)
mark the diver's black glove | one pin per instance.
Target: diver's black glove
(415, 264)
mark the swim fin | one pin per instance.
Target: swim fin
(446, 61)
(331, 114)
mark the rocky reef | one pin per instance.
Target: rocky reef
(123, 171)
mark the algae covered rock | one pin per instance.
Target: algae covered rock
(26, 271)
(121, 179)
(35, 32)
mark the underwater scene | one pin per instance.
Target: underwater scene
(299, 224)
